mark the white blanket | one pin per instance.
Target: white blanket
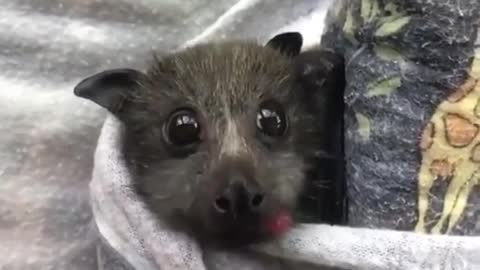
(127, 226)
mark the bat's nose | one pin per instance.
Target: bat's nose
(239, 198)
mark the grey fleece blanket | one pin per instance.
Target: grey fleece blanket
(48, 136)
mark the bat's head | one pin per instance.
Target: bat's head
(223, 135)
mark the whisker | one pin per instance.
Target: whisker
(320, 186)
(162, 197)
(320, 154)
(309, 196)
(322, 181)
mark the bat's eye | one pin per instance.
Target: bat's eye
(182, 128)
(271, 119)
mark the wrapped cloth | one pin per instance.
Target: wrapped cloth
(133, 239)
(412, 151)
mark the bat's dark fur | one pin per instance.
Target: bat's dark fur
(224, 83)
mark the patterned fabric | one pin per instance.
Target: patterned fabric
(412, 119)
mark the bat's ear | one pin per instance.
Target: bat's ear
(321, 76)
(111, 89)
(289, 43)
(320, 70)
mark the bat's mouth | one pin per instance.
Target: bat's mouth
(278, 224)
(247, 230)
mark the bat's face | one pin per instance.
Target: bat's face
(222, 136)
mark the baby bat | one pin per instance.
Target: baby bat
(228, 140)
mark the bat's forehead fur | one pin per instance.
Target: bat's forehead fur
(220, 75)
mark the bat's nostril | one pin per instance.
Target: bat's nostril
(257, 200)
(222, 205)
